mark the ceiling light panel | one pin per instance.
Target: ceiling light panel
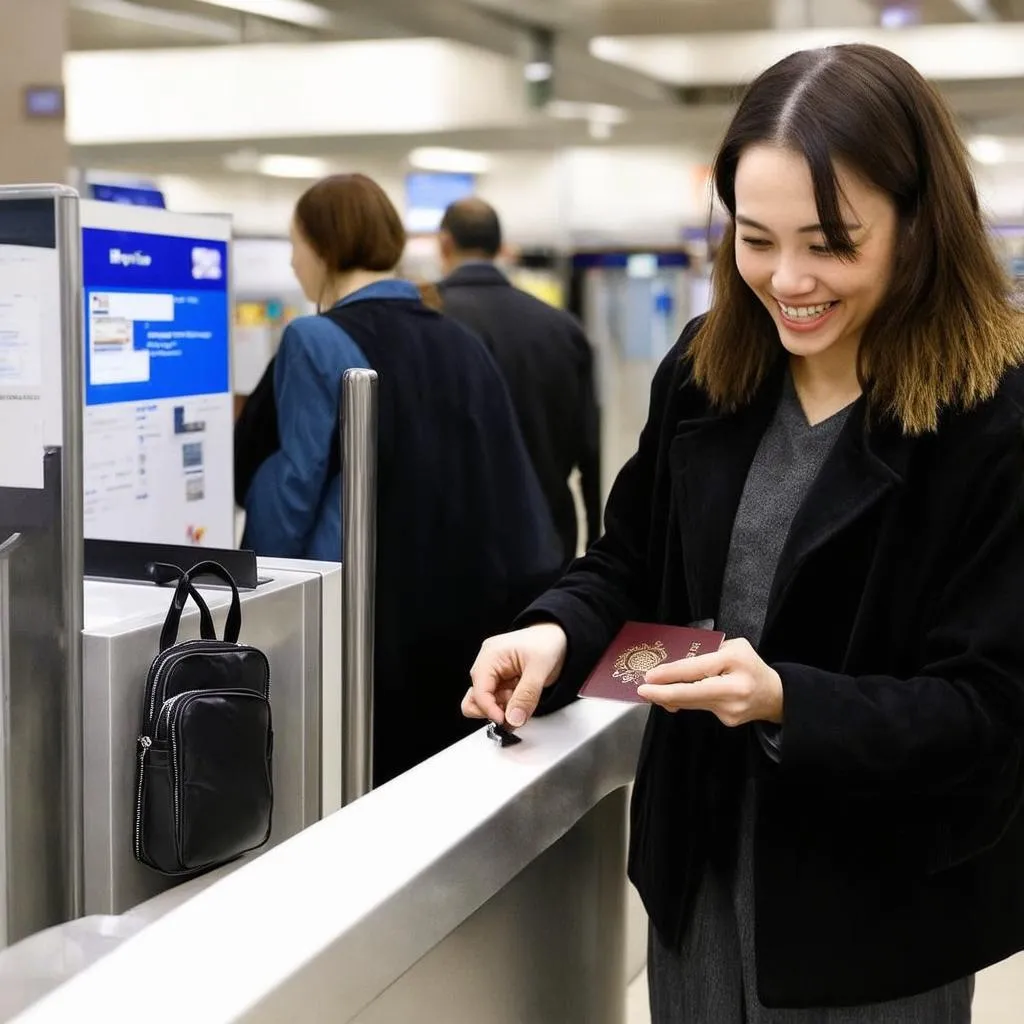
(173, 21)
(282, 165)
(294, 12)
(460, 161)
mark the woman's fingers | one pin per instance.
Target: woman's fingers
(690, 670)
(705, 695)
(470, 708)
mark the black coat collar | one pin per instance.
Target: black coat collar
(710, 456)
(475, 274)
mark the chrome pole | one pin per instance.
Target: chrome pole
(69, 235)
(359, 569)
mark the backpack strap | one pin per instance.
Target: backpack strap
(162, 572)
(234, 623)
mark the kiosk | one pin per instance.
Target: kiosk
(158, 461)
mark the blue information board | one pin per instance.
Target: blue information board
(163, 299)
(158, 405)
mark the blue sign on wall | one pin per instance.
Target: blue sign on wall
(129, 195)
(156, 317)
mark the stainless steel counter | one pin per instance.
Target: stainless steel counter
(486, 885)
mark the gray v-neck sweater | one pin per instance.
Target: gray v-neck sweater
(789, 457)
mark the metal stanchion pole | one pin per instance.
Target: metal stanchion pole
(359, 567)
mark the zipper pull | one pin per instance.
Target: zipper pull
(144, 744)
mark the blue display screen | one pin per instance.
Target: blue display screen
(428, 194)
(128, 195)
(620, 260)
(156, 317)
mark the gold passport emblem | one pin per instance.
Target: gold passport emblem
(633, 662)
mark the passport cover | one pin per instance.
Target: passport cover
(639, 647)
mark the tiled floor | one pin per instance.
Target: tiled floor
(999, 998)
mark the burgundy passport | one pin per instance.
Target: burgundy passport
(639, 647)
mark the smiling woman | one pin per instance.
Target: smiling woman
(826, 823)
(820, 302)
(876, 197)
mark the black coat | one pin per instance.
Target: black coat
(548, 365)
(464, 536)
(889, 851)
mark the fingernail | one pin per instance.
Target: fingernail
(516, 717)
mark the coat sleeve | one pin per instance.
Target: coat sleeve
(282, 502)
(955, 728)
(613, 582)
(255, 433)
(589, 432)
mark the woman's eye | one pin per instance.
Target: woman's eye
(822, 250)
(757, 243)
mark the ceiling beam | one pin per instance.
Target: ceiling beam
(160, 18)
(576, 70)
(944, 53)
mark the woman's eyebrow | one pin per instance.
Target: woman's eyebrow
(808, 229)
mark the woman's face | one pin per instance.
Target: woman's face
(308, 267)
(820, 303)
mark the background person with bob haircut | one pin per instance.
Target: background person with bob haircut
(825, 821)
(464, 536)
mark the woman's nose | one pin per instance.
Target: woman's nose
(790, 278)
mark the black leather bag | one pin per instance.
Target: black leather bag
(204, 780)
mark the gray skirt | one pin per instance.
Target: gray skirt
(712, 980)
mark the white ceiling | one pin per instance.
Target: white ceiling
(659, 112)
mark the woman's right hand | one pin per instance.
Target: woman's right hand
(512, 670)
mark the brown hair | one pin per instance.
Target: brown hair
(430, 295)
(351, 224)
(945, 332)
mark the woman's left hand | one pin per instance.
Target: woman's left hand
(733, 683)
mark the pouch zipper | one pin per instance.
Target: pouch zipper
(171, 657)
(196, 647)
(144, 743)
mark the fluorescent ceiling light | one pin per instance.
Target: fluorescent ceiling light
(987, 150)
(537, 71)
(460, 161)
(601, 113)
(281, 165)
(608, 48)
(980, 10)
(295, 12)
(175, 21)
(899, 16)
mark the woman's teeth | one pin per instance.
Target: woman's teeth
(805, 312)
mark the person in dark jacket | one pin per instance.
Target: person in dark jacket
(463, 531)
(826, 821)
(544, 356)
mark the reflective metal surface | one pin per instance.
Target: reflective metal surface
(41, 612)
(631, 330)
(359, 567)
(484, 885)
(549, 948)
(69, 241)
(327, 617)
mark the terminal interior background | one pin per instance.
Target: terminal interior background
(588, 124)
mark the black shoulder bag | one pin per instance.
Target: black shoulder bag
(204, 782)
